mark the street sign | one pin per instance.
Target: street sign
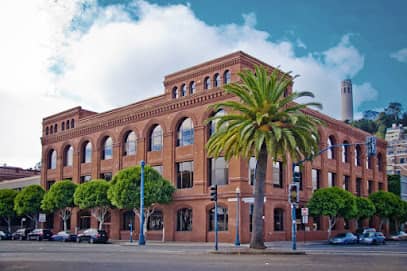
(42, 218)
(304, 211)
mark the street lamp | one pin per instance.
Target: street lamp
(141, 240)
(237, 240)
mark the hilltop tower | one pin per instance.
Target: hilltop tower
(347, 100)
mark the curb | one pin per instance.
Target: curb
(257, 252)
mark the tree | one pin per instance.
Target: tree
(263, 122)
(400, 216)
(393, 184)
(28, 202)
(7, 212)
(60, 198)
(332, 202)
(365, 209)
(93, 195)
(386, 205)
(125, 191)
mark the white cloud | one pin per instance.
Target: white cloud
(103, 58)
(400, 55)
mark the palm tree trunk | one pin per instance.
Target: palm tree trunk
(257, 238)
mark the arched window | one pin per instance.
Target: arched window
(184, 219)
(155, 221)
(63, 126)
(183, 90)
(379, 162)
(345, 152)
(175, 93)
(278, 219)
(130, 143)
(185, 133)
(226, 77)
(156, 139)
(107, 148)
(52, 159)
(216, 80)
(207, 83)
(86, 152)
(67, 124)
(369, 162)
(222, 219)
(192, 87)
(68, 156)
(72, 123)
(331, 151)
(46, 131)
(213, 123)
(358, 156)
(55, 128)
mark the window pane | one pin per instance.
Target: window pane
(130, 144)
(186, 133)
(278, 220)
(68, 156)
(185, 174)
(315, 179)
(156, 139)
(155, 221)
(184, 219)
(219, 171)
(107, 149)
(278, 174)
(222, 219)
(252, 170)
(213, 124)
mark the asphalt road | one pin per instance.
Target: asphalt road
(44, 256)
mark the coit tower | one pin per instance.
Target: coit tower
(347, 100)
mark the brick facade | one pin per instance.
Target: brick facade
(168, 111)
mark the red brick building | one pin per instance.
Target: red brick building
(169, 132)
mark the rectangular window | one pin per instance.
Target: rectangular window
(370, 187)
(331, 179)
(278, 174)
(345, 184)
(316, 175)
(381, 186)
(85, 178)
(252, 170)
(106, 176)
(185, 174)
(218, 171)
(298, 170)
(358, 187)
(49, 184)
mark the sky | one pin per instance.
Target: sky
(55, 55)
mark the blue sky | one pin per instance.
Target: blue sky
(377, 28)
(104, 54)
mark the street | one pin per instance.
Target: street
(44, 256)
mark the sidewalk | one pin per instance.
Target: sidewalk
(276, 248)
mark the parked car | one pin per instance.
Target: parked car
(93, 236)
(373, 238)
(64, 236)
(343, 238)
(362, 231)
(398, 236)
(39, 234)
(5, 235)
(20, 234)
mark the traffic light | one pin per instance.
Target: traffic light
(214, 192)
(293, 195)
(371, 145)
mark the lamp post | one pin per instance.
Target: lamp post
(237, 240)
(141, 240)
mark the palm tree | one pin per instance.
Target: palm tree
(264, 122)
